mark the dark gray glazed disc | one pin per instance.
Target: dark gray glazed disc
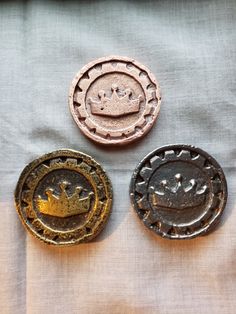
(179, 191)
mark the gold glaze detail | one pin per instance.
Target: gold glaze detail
(86, 209)
(64, 205)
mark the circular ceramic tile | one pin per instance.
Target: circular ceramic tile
(179, 191)
(114, 100)
(64, 197)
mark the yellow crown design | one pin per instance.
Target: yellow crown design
(178, 195)
(116, 105)
(64, 205)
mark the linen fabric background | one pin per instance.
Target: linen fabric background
(190, 46)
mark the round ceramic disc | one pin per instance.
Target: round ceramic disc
(64, 197)
(179, 191)
(114, 100)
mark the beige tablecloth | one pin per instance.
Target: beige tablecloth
(191, 48)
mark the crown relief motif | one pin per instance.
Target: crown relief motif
(116, 105)
(64, 205)
(179, 195)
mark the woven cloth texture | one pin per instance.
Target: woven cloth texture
(190, 46)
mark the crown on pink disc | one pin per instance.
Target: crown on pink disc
(116, 105)
(179, 195)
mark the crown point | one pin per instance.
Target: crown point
(178, 177)
(140, 98)
(101, 94)
(128, 92)
(63, 185)
(78, 189)
(151, 189)
(114, 87)
(193, 182)
(163, 183)
(49, 192)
